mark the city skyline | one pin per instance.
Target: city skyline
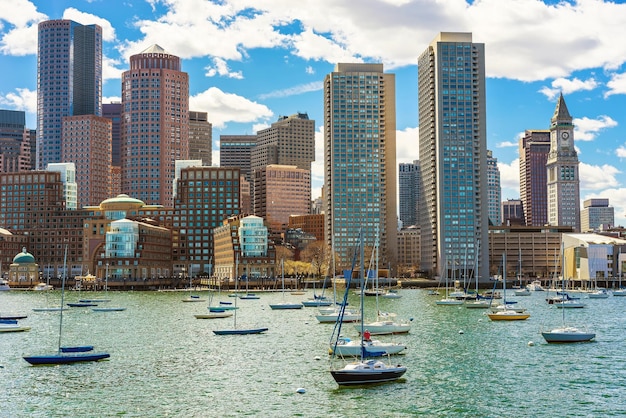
(250, 64)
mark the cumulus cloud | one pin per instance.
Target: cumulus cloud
(21, 99)
(509, 179)
(227, 107)
(588, 129)
(507, 144)
(616, 85)
(220, 67)
(594, 177)
(565, 86)
(407, 145)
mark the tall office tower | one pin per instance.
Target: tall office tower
(512, 212)
(69, 81)
(562, 165)
(360, 160)
(409, 190)
(245, 196)
(596, 215)
(534, 147)
(494, 192)
(279, 192)
(87, 144)
(15, 150)
(200, 138)
(113, 111)
(289, 141)
(199, 188)
(453, 156)
(155, 124)
(235, 151)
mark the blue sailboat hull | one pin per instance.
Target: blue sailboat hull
(66, 358)
(239, 331)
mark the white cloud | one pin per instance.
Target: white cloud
(407, 145)
(507, 144)
(594, 177)
(293, 91)
(220, 68)
(621, 151)
(616, 85)
(588, 129)
(310, 70)
(565, 86)
(112, 99)
(20, 41)
(509, 179)
(22, 99)
(227, 107)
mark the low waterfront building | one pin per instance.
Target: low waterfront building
(24, 270)
(591, 260)
(242, 248)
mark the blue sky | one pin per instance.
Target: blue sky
(251, 61)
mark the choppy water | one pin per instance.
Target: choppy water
(165, 362)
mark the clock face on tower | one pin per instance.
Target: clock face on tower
(564, 135)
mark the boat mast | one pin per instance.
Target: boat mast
(62, 296)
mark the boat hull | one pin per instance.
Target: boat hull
(567, 336)
(316, 303)
(13, 328)
(66, 358)
(286, 306)
(108, 309)
(502, 316)
(214, 315)
(239, 331)
(359, 376)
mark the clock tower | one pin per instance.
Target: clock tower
(562, 165)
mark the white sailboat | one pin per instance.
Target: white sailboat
(192, 297)
(385, 323)
(284, 304)
(447, 300)
(565, 333)
(106, 291)
(506, 313)
(234, 330)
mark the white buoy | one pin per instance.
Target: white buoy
(461, 332)
(301, 390)
(317, 358)
(530, 343)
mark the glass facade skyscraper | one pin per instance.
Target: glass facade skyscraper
(452, 142)
(69, 81)
(360, 160)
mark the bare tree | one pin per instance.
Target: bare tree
(318, 255)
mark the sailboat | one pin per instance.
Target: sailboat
(567, 334)
(522, 291)
(192, 297)
(318, 300)
(448, 300)
(66, 354)
(106, 290)
(48, 308)
(248, 295)
(213, 314)
(235, 330)
(385, 322)
(363, 371)
(507, 313)
(11, 325)
(284, 304)
(481, 302)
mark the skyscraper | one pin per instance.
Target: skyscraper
(279, 192)
(494, 192)
(452, 144)
(155, 124)
(289, 141)
(200, 138)
(235, 151)
(15, 149)
(596, 214)
(533, 178)
(87, 143)
(360, 160)
(409, 190)
(69, 80)
(562, 165)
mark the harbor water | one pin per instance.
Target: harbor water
(166, 363)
